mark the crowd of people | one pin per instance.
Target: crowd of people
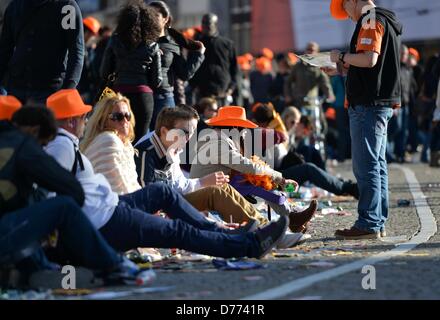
(122, 139)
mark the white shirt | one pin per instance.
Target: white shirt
(115, 160)
(100, 201)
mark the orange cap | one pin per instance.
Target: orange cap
(8, 106)
(244, 64)
(189, 33)
(231, 116)
(292, 57)
(248, 57)
(263, 64)
(415, 53)
(67, 103)
(330, 114)
(267, 53)
(92, 24)
(337, 10)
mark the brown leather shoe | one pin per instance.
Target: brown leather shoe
(356, 234)
(300, 220)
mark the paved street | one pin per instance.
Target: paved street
(413, 275)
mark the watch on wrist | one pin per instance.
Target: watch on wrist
(342, 57)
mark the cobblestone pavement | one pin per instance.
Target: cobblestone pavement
(411, 276)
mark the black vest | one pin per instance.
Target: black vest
(379, 85)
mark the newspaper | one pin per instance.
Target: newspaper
(320, 60)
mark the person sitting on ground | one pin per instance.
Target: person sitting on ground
(266, 117)
(126, 221)
(158, 160)
(235, 117)
(22, 224)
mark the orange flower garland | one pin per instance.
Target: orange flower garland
(262, 181)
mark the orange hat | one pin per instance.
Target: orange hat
(67, 103)
(267, 53)
(292, 57)
(189, 33)
(231, 116)
(8, 106)
(330, 114)
(244, 64)
(337, 10)
(92, 24)
(414, 53)
(263, 64)
(248, 57)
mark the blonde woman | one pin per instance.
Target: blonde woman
(108, 143)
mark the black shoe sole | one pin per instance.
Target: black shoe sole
(277, 241)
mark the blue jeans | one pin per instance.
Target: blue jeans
(161, 101)
(368, 127)
(83, 244)
(133, 226)
(310, 172)
(402, 134)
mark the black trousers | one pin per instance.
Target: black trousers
(142, 105)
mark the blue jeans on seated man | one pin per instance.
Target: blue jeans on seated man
(132, 225)
(368, 125)
(22, 228)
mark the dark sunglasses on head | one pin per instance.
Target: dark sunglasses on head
(119, 116)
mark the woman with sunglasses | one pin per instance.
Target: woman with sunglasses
(108, 143)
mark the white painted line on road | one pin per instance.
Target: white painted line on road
(428, 229)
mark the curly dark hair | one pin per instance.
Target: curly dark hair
(137, 23)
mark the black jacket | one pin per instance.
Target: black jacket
(23, 163)
(174, 64)
(140, 66)
(379, 85)
(36, 52)
(409, 85)
(219, 71)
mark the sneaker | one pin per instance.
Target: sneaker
(383, 233)
(54, 279)
(124, 273)
(291, 240)
(351, 188)
(356, 234)
(269, 236)
(300, 220)
(250, 226)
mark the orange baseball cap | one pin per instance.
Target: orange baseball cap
(67, 103)
(92, 24)
(231, 116)
(243, 63)
(337, 10)
(8, 106)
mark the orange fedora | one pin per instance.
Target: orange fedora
(8, 106)
(67, 103)
(231, 116)
(337, 10)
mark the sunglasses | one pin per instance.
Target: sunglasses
(119, 116)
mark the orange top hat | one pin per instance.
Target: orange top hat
(67, 103)
(337, 10)
(415, 53)
(231, 116)
(92, 24)
(8, 106)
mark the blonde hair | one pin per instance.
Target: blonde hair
(291, 112)
(97, 122)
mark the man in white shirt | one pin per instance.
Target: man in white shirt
(126, 222)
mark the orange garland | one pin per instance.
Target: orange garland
(262, 181)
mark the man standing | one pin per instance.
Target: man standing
(41, 48)
(217, 77)
(373, 90)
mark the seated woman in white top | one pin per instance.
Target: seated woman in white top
(107, 143)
